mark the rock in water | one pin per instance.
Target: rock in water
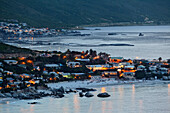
(70, 91)
(8, 94)
(33, 103)
(61, 89)
(103, 95)
(59, 95)
(89, 94)
(112, 33)
(2, 95)
(81, 94)
(141, 34)
(15, 95)
(86, 89)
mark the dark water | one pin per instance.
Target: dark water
(127, 42)
(134, 98)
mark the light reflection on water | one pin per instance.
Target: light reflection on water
(113, 91)
(133, 95)
(133, 92)
(29, 109)
(169, 89)
(103, 89)
(132, 98)
(76, 104)
(66, 109)
(103, 106)
(140, 106)
(121, 92)
(169, 92)
(90, 108)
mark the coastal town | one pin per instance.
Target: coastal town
(84, 56)
(14, 30)
(23, 71)
(27, 69)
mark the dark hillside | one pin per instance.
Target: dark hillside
(63, 13)
(4, 48)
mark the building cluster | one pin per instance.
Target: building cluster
(11, 30)
(21, 72)
(22, 30)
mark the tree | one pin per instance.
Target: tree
(140, 74)
(160, 58)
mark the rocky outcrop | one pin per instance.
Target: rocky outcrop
(2, 95)
(86, 89)
(33, 103)
(103, 95)
(81, 94)
(32, 93)
(89, 94)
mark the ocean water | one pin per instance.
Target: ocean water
(129, 98)
(154, 44)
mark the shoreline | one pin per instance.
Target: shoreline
(88, 84)
(84, 27)
(101, 83)
(71, 87)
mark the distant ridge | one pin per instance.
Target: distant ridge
(70, 13)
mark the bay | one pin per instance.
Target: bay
(154, 44)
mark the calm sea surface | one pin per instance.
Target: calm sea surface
(155, 42)
(133, 98)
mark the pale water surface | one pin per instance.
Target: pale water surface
(129, 98)
(154, 44)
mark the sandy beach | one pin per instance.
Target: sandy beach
(100, 82)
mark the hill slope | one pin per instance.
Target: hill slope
(52, 13)
(7, 49)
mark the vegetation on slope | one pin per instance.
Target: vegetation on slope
(4, 48)
(68, 13)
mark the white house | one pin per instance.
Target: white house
(10, 62)
(83, 60)
(52, 66)
(73, 64)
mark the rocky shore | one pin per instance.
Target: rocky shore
(32, 93)
(59, 90)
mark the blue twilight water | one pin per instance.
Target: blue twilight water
(155, 42)
(133, 98)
